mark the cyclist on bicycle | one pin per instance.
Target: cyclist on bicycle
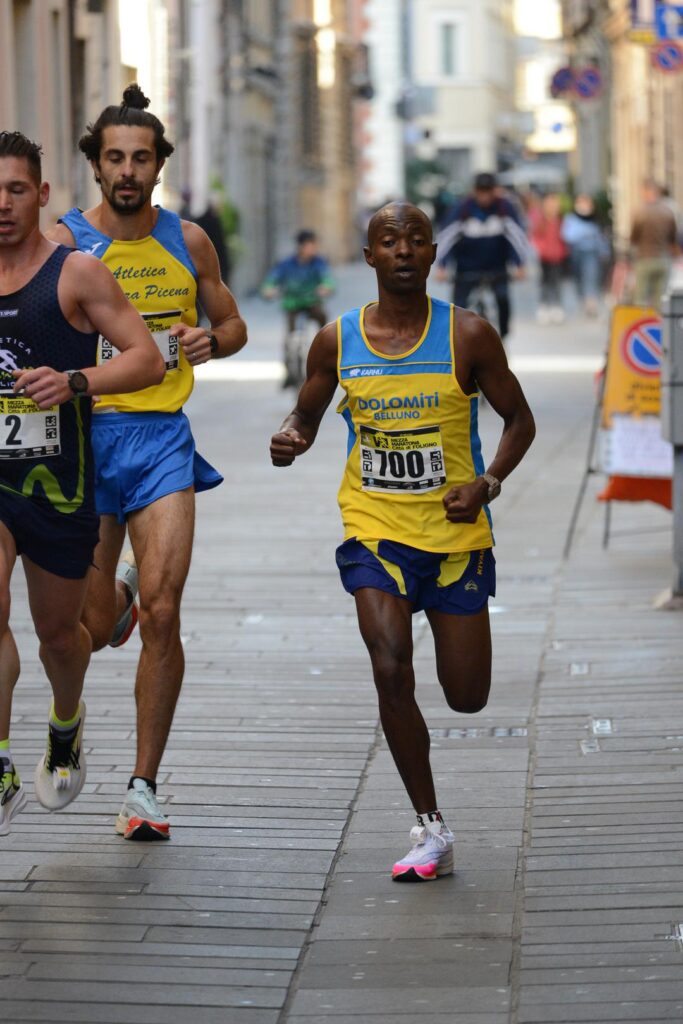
(483, 235)
(302, 281)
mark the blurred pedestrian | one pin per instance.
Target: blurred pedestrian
(301, 281)
(546, 237)
(483, 237)
(654, 243)
(588, 250)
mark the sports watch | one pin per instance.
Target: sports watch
(78, 382)
(493, 485)
(213, 343)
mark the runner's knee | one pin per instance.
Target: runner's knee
(58, 638)
(159, 617)
(393, 673)
(468, 702)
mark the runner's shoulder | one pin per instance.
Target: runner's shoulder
(198, 243)
(471, 332)
(84, 272)
(61, 234)
(324, 347)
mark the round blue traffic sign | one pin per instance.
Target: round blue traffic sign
(667, 56)
(588, 83)
(641, 347)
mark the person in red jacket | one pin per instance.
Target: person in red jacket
(546, 238)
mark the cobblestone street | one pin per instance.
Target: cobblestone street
(273, 901)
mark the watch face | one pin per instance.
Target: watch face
(78, 382)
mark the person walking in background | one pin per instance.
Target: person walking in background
(483, 237)
(654, 243)
(588, 249)
(546, 238)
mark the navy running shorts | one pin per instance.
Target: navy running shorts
(459, 583)
(58, 542)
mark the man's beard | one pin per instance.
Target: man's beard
(127, 206)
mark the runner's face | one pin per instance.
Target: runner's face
(20, 200)
(128, 167)
(401, 250)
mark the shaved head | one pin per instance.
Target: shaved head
(397, 215)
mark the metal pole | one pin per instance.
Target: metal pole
(678, 521)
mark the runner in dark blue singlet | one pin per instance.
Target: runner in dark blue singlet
(54, 304)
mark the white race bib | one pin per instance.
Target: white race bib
(27, 432)
(159, 325)
(401, 460)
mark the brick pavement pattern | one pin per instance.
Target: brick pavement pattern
(272, 903)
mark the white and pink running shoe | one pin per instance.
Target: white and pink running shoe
(430, 857)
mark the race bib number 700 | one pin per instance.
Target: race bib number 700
(27, 432)
(160, 326)
(402, 460)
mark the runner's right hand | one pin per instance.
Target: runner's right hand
(285, 446)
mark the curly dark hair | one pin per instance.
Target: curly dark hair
(132, 111)
(16, 144)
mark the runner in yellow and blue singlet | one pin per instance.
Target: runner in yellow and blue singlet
(415, 490)
(147, 469)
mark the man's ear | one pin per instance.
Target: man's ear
(43, 194)
(369, 258)
(96, 171)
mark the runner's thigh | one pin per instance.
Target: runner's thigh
(463, 657)
(162, 535)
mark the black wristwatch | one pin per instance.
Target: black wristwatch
(213, 342)
(78, 382)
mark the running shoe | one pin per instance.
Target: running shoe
(127, 573)
(12, 795)
(141, 816)
(430, 857)
(60, 773)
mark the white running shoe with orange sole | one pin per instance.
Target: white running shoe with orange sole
(141, 818)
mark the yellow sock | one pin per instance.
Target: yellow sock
(65, 725)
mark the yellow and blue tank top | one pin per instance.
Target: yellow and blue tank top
(159, 278)
(412, 436)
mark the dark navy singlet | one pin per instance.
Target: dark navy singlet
(45, 455)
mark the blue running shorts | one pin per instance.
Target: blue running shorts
(458, 584)
(142, 456)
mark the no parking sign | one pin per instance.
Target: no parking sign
(667, 56)
(630, 439)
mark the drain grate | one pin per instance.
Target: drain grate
(498, 732)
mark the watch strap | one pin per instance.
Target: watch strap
(494, 485)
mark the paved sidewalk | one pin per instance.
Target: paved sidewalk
(272, 902)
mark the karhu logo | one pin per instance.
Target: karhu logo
(355, 372)
(472, 586)
(9, 312)
(7, 361)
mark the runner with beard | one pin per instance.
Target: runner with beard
(415, 492)
(147, 468)
(53, 304)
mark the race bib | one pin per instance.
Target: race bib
(159, 325)
(27, 432)
(401, 460)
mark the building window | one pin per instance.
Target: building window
(449, 49)
(448, 58)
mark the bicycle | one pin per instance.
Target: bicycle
(297, 344)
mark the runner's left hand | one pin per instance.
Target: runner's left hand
(194, 342)
(464, 502)
(45, 386)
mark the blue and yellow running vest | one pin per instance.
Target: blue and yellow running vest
(412, 436)
(159, 278)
